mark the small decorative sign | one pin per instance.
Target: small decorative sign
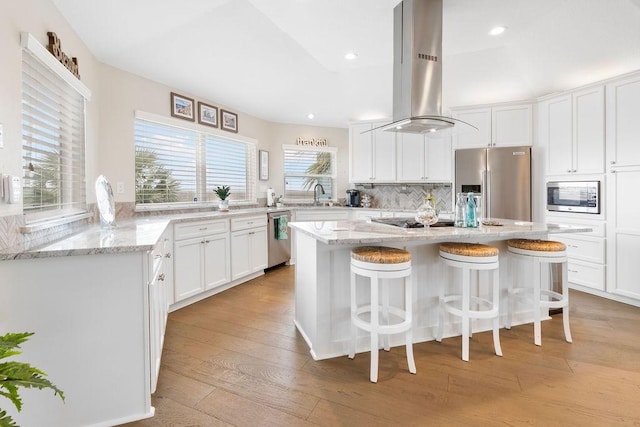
(55, 47)
(314, 142)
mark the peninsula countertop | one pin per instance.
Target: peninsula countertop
(367, 232)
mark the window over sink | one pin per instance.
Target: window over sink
(304, 168)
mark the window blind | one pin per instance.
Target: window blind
(53, 142)
(304, 168)
(175, 164)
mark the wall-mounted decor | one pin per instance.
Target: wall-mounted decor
(228, 121)
(264, 165)
(55, 47)
(182, 107)
(313, 142)
(207, 114)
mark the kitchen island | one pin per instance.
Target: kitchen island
(322, 251)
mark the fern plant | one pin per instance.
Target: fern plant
(14, 375)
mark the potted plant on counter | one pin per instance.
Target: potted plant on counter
(223, 192)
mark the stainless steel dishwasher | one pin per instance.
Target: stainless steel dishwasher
(279, 237)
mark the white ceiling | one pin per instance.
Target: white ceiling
(282, 59)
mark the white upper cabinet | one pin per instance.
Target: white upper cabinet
(467, 137)
(372, 154)
(572, 127)
(623, 122)
(424, 158)
(505, 125)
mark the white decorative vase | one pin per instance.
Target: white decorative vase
(223, 205)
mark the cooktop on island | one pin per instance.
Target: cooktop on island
(409, 222)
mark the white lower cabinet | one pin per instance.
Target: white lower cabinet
(201, 262)
(586, 251)
(248, 246)
(159, 291)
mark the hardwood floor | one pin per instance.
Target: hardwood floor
(237, 359)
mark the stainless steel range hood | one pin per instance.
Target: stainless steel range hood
(417, 68)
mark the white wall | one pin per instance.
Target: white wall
(38, 17)
(116, 95)
(283, 134)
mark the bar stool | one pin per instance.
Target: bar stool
(471, 257)
(540, 253)
(378, 263)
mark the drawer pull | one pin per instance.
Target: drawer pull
(572, 271)
(202, 241)
(206, 241)
(203, 228)
(167, 255)
(161, 277)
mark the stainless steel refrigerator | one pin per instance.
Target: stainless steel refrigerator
(503, 177)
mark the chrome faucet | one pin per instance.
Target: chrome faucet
(315, 193)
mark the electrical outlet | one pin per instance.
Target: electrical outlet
(120, 187)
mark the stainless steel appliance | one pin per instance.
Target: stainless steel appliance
(409, 222)
(502, 175)
(352, 198)
(574, 196)
(279, 239)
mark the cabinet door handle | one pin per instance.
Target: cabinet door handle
(206, 241)
(167, 255)
(252, 232)
(161, 277)
(156, 256)
(203, 242)
(568, 170)
(572, 271)
(613, 162)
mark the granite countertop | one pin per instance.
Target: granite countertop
(366, 232)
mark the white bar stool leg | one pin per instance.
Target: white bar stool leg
(385, 313)
(510, 294)
(409, 317)
(466, 285)
(354, 328)
(496, 320)
(440, 331)
(373, 376)
(537, 329)
(565, 308)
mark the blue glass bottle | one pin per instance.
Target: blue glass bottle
(470, 218)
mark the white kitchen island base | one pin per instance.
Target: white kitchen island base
(322, 310)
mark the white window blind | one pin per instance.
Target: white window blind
(53, 142)
(304, 168)
(179, 165)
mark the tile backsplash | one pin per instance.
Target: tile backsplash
(408, 197)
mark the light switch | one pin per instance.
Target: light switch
(120, 187)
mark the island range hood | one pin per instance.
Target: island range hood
(417, 68)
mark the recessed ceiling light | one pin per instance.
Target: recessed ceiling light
(497, 31)
(350, 56)
(310, 116)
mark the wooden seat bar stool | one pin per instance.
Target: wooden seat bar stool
(380, 264)
(471, 257)
(540, 254)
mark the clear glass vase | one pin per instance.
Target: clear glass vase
(427, 214)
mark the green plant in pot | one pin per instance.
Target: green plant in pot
(223, 192)
(17, 374)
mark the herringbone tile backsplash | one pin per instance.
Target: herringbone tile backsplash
(408, 196)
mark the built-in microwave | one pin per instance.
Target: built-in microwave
(574, 196)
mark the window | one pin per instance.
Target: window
(176, 164)
(53, 142)
(304, 167)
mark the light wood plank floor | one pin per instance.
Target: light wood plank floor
(237, 359)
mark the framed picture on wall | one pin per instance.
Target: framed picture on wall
(264, 165)
(182, 107)
(207, 114)
(228, 121)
